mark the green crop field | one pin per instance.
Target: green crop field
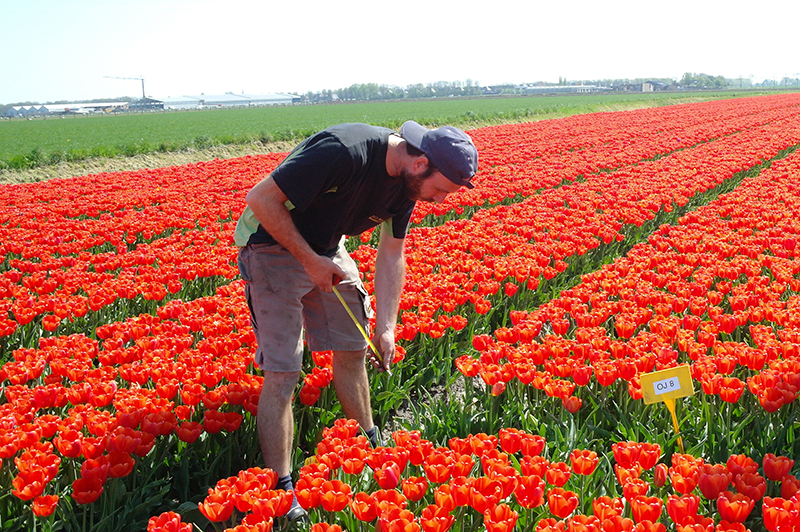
(37, 142)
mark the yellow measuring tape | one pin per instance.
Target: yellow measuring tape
(360, 328)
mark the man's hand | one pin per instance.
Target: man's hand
(323, 272)
(385, 344)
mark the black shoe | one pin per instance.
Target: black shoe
(297, 514)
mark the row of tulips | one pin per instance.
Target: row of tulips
(505, 480)
(76, 249)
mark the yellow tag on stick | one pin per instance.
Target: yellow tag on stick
(666, 386)
(669, 383)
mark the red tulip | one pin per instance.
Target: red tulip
(751, 484)
(388, 475)
(88, 490)
(776, 467)
(660, 475)
(713, 480)
(45, 505)
(778, 513)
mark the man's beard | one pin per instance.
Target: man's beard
(413, 183)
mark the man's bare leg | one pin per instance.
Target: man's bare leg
(275, 422)
(352, 386)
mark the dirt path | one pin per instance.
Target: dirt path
(153, 160)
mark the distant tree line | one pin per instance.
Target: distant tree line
(375, 91)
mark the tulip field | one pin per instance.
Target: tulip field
(594, 250)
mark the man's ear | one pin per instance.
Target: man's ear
(420, 164)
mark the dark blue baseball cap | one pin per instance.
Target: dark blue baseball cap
(448, 148)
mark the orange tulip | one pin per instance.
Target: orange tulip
(660, 475)
(649, 453)
(583, 462)
(510, 440)
(684, 477)
(739, 463)
(414, 488)
(307, 491)
(168, 522)
(558, 474)
(561, 502)
(334, 495)
(627, 453)
(633, 488)
(605, 506)
(397, 520)
(734, 507)
(529, 491)
(681, 508)
(385, 500)
(436, 519)
(484, 493)
(438, 465)
(646, 508)
(364, 507)
(500, 518)
(269, 503)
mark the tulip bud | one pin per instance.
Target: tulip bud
(660, 475)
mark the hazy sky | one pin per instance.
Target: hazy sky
(61, 50)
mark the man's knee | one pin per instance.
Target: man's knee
(279, 385)
(350, 357)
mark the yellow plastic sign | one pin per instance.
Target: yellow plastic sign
(666, 386)
(669, 383)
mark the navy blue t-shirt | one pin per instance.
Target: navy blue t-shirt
(337, 184)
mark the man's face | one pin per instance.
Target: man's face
(427, 185)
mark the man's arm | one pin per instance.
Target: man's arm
(390, 270)
(268, 203)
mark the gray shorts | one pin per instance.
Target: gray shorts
(284, 302)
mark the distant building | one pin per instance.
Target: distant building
(651, 86)
(575, 89)
(227, 100)
(154, 104)
(65, 108)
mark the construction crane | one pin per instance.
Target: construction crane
(139, 78)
